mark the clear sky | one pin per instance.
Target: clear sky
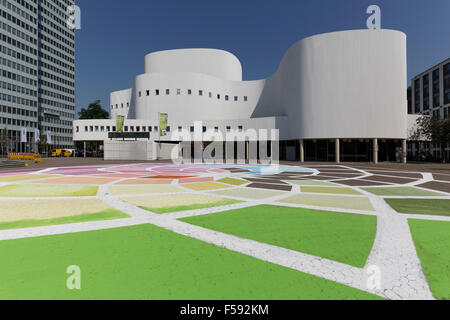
(117, 34)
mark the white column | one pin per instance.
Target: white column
(404, 151)
(375, 151)
(302, 151)
(338, 150)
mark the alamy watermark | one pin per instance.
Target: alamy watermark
(374, 278)
(74, 17)
(217, 147)
(74, 280)
(374, 21)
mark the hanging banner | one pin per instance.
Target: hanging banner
(49, 137)
(37, 136)
(23, 135)
(163, 119)
(119, 123)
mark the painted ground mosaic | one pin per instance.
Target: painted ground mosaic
(239, 231)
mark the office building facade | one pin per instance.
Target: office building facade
(429, 95)
(37, 77)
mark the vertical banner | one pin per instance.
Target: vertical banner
(37, 136)
(23, 135)
(49, 137)
(163, 119)
(120, 120)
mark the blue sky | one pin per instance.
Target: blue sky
(117, 34)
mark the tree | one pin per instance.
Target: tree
(93, 111)
(436, 130)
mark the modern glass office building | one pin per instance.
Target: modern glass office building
(37, 77)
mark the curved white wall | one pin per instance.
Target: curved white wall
(120, 102)
(217, 63)
(349, 84)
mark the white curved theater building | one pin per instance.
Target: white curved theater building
(339, 96)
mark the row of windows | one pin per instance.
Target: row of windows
(57, 95)
(18, 44)
(20, 56)
(56, 78)
(56, 104)
(18, 66)
(58, 53)
(68, 42)
(26, 4)
(122, 105)
(12, 87)
(54, 26)
(190, 92)
(19, 11)
(19, 123)
(22, 112)
(59, 62)
(18, 22)
(148, 129)
(18, 100)
(58, 113)
(17, 77)
(18, 33)
(57, 44)
(55, 86)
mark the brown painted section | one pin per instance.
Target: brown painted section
(442, 177)
(398, 174)
(360, 183)
(389, 179)
(438, 186)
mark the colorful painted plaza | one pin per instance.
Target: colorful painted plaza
(166, 231)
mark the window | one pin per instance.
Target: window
(168, 129)
(235, 98)
(216, 129)
(78, 129)
(167, 92)
(228, 129)
(200, 92)
(192, 129)
(218, 96)
(157, 92)
(178, 92)
(180, 129)
(210, 94)
(240, 128)
(204, 129)
(227, 98)
(245, 98)
(149, 129)
(140, 94)
(189, 91)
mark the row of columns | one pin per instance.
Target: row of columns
(338, 151)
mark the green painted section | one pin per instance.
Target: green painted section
(432, 207)
(109, 214)
(342, 237)
(432, 241)
(147, 262)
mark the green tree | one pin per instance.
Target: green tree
(436, 130)
(93, 111)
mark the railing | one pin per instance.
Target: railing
(36, 157)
